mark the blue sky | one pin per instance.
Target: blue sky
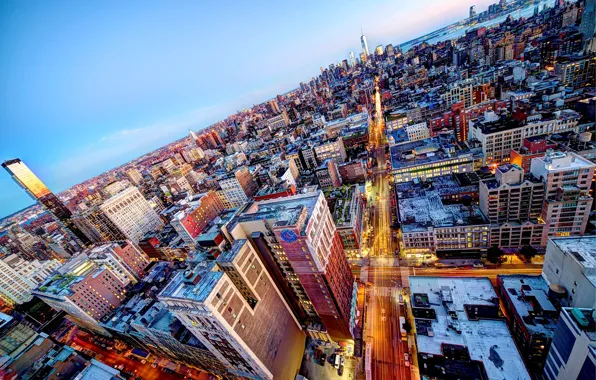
(89, 85)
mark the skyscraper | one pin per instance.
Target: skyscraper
(352, 59)
(40, 193)
(364, 44)
(588, 26)
(473, 11)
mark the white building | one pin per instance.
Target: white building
(571, 263)
(500, 136)
(19, 277)
(132, 214)
(134, 176)
(567, 179)
(332, 148)
(114, 188)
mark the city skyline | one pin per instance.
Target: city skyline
(60, 153)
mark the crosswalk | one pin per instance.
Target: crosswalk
(385, 291)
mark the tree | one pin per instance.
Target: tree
(528, 252)
(494, 255)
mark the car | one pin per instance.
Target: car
(336, 361)
(143, 361)
(478, 265)
(154, 365)
(342, 360)
(317, 354)
(323, 359)
(340, 370)
(406, 356)
(407, 364)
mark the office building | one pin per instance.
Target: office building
(19, 277)
(238, 187)
(569, 266)
(83, 290)
(532, 316)
(328, 174)
(146, 323)
(460, 332)
(96, 225)
(114, 188)
(298, 241)
(40, 193)
(572, 354)
(233, 308)
(567, 179)
(201, 210)
(473, 11)
(364, 44)
(576, 72)
(125, 261)
(331, 148)
(131, 213)
(432, 157)
(499, 136)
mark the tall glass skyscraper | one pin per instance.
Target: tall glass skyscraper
(364, 44)
(39, 192)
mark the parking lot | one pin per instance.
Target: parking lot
(312, 369)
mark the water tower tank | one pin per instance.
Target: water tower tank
(585, 136)
(556, 291)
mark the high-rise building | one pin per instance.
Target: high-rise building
(239, 187)
(233, 307)
(352, 59)
(96, 225)
(587, 26)
(83, 290)
(509, 200)
(40, 193)
(132, 214)
(572, 354)
(125, 261)
(364, 44)
(299, 243)
(567, 178)
(473, 11)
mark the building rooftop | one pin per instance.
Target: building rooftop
(282, 211)
(506, 123)
(529, 296)
(345, 204)
(427, 210)
(487, 340)
(73, 272)
(584, 319)
(583, 249)
(429, 151)
(445, 185)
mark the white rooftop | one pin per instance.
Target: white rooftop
(583, 249)
(479, 336)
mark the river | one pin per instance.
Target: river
(456, 33)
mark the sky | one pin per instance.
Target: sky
(87, 86)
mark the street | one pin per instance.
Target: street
(387, 359)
